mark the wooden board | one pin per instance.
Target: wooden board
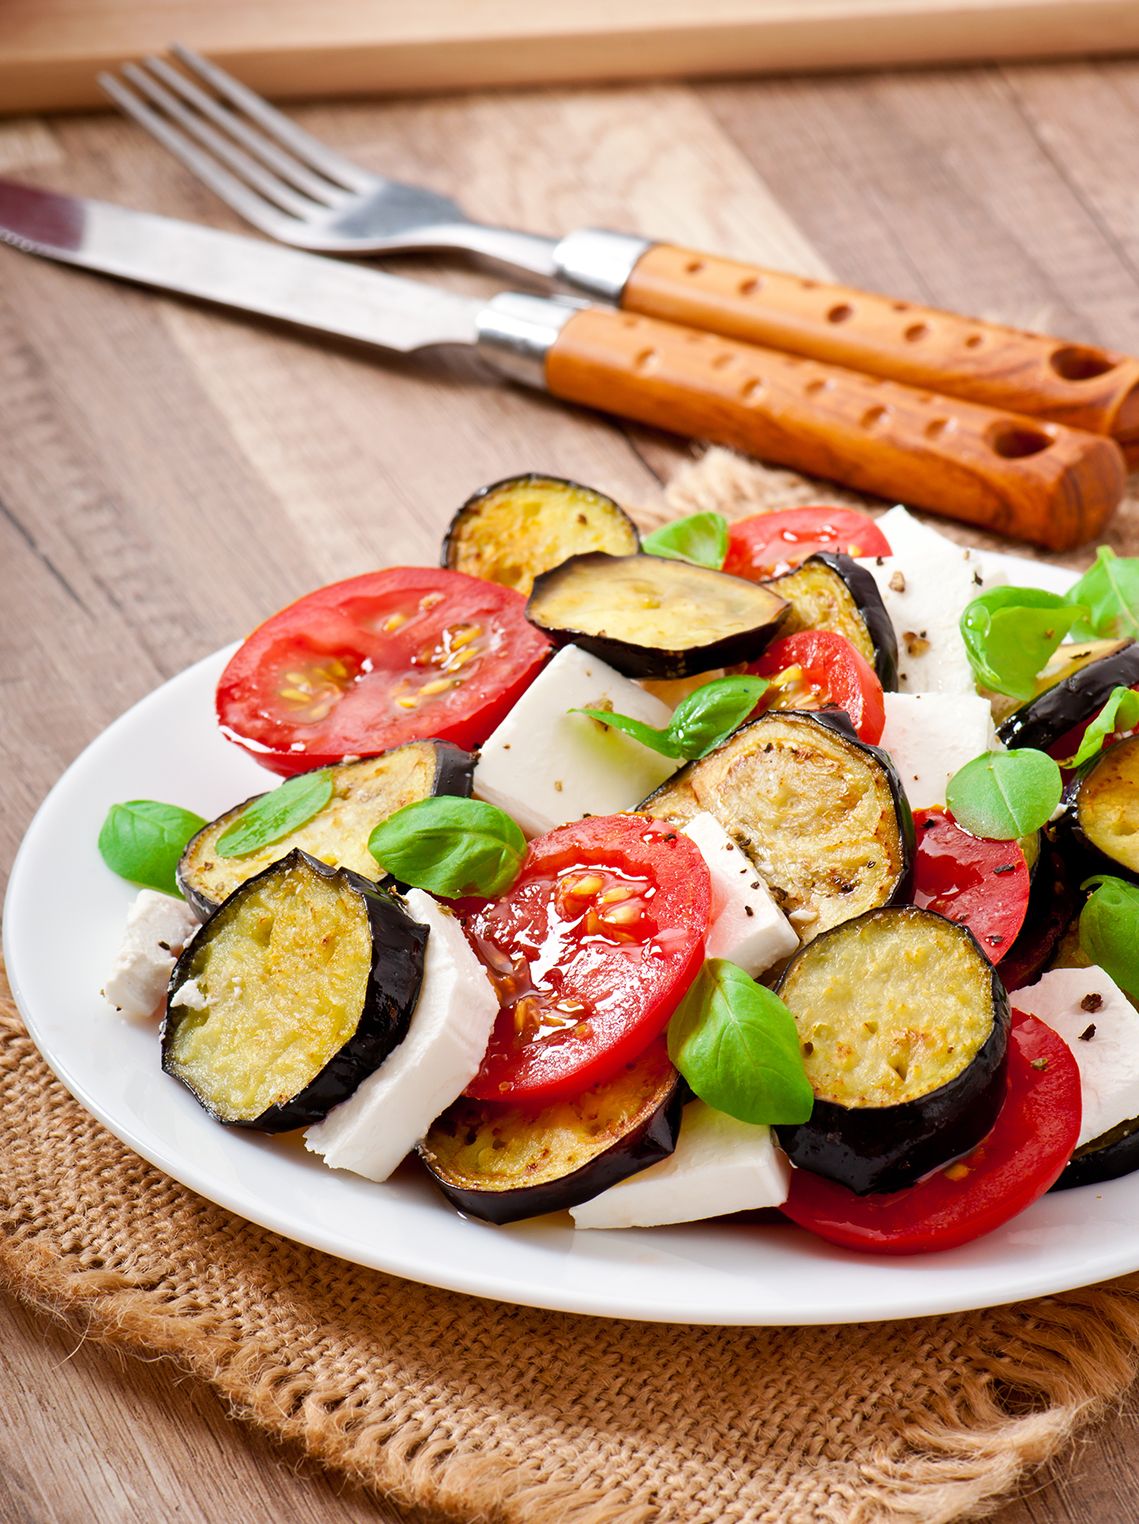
(51, 50)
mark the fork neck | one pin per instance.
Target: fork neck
(594, 261)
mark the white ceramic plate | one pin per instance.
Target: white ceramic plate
(62, 921)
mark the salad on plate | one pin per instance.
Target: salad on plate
(789, 864)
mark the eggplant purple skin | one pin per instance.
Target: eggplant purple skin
(639, 661)
(1084, 856)
(652, 1140)
(878, 1149)
(1053, 903)
(1045, 719)
(868, 600)
(1090, 1165)
(454, 774)
(398, 951)
(528, 478)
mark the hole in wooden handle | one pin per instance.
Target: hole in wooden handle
(1014, 441)
(1074, 363)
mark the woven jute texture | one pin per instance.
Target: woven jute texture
(475, 1410)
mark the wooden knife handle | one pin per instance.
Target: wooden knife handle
(1076, 384)
(1017, 476)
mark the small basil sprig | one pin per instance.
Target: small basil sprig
(1109, 930)
(1121, 712)
(701, 538)
(275, 814)
(1009, 634)
(143, 839)
(1107, 596)
(1004, 795)
(736, 1044)
(699, 722)
(451, 847)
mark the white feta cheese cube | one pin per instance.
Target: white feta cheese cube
(719, 1166)
(386, 1115)
(158, 927)
(545, 766)
(931, 735)
(747, 925)
(925, 586)
(1101, 1026)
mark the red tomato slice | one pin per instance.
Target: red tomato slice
(406, 654)
(767, 544)
(1031, 1142)
(590, 953)
(816, 668)
(981, 884)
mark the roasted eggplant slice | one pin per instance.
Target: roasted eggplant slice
(830, 591)
(1114, 1154)
(1053, 901)
(363, 794)
(904, 1030)
(515, 529)
(498, 1162)
(1073, 687)
(296, 988)
(822, 815)
(652, 617)
(1102, 818)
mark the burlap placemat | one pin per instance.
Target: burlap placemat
(476, 1410)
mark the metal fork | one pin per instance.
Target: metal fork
(298, 190)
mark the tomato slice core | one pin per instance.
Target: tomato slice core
(816, 668)
(979, 883)
(768, 544)
(406, 654)
(1022, 1157)
(589, 953)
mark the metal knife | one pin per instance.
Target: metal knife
(1016, 475)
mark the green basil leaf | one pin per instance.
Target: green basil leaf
(1121, 712)
(143, 839)
(657, 740)
(701, 538)
(1009, 634)
(1108, 595)
(1109, 931)
(1005, 795)
(737, 1045)
(699, 722)
(273, 815)
(711, 712)
(450, 847)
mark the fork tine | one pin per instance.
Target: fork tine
(298, 175)
(315, 153)
(237, 159)
(245, 202)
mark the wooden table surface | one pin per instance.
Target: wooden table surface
(168, 475)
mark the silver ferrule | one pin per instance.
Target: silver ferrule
(516, 332)
(598, 261)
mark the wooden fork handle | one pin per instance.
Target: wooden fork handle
(1017, 476)
(1075, 384)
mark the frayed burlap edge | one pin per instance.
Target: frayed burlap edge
(1022, 1381)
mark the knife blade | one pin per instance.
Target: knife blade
(308, 290)
(1017, 475)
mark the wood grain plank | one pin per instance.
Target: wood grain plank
(53, 48)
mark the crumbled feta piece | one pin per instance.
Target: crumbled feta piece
(1101, 1027)
(929, 736)
(747, 925)
(719, 1166)
(545, 766)
(157, 929)
(388, 1112)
